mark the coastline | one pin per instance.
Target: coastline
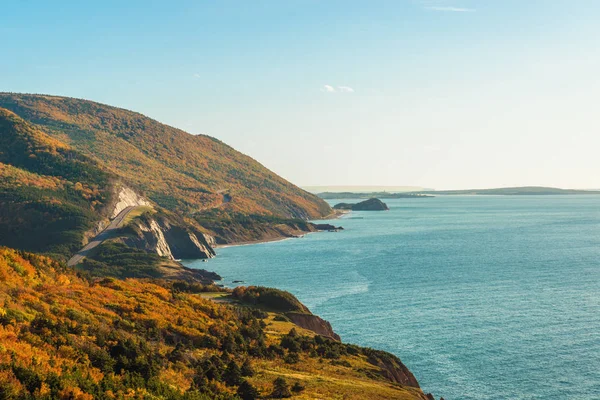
(251, 242)
(337, 214)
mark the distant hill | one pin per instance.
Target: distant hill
(514, 191)
(363, 189)
(180, 172)
(372, 204)
(368, 195)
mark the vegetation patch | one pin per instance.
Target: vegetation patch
(121, 261)
(50, 195)
(270, 299)
(65, 337)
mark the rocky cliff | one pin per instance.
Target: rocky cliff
(313, 323)
(160, 234)
(127, 197)
(392, 368)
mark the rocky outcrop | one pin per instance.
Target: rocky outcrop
(392, 368)
(328, 227)
(159, 234)
(186, 243)
(212, 242)
(367, 205)
(313, 323)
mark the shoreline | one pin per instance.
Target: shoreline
(270, 240)
(337, 214)
(251, 242)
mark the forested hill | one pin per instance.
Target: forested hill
(179, 171)
(50, 194)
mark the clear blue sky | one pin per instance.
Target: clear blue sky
(444, 94)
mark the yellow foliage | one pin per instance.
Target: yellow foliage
(51, 322)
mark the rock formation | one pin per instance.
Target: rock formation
(313, 323)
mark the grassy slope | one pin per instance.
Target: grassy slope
(63, 337)
(50, 194)
(179, 171)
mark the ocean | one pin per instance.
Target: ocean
(482, 297)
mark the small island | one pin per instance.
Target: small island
(372, 204)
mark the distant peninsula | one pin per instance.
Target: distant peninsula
(379, 195)
(372, 204)
(513, 191)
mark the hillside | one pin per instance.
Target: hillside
(50, 195)
(64, 337)
(180, 172)
(70, 166)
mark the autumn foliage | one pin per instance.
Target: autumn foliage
(64, 337)
(179, 171)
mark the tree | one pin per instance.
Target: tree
(297, 387)
(247, 369)
(247, 392)
(280, 389)
(233, 374)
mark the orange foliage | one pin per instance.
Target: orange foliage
(181, 172)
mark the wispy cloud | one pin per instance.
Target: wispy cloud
(197, 76)
(450, 9)
(339, 89)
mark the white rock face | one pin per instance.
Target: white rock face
(210, 240)
(200, 246)
(128, 198)
(162, 247)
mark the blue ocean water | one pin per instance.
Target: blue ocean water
(482, 297)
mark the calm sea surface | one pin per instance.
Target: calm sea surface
(482, 297)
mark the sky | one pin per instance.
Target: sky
(432, 93)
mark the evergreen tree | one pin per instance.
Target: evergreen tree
(247, 392)
(233, 374)
(247, 369)
(297, 387)
(281, 389)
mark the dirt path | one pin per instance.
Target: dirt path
(101, 237)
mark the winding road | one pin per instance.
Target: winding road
(101, 237)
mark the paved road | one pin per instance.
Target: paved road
(101, 237)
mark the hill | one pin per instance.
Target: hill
(65, 337)
(368, 195)
(53, 199)
(50, 194)
(515, 191)
(372, 204)
(70, 166)
(178, 171)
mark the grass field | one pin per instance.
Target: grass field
(135, 213)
